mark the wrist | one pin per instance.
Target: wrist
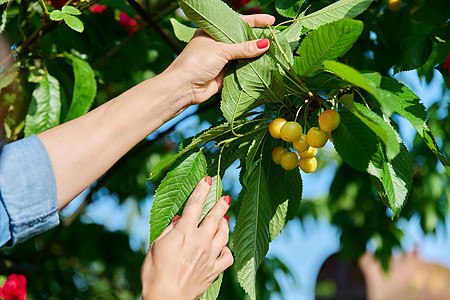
(180, 88)
(156, 291)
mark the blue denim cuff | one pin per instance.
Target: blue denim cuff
(5, 232)
(28, 189)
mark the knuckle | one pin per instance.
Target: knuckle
(228, 257)
(230, 260)
(226, 237)
(225, 52)
(196, 195)
(213, 217)
(246, 49)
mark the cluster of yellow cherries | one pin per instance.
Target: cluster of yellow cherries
(306, 145)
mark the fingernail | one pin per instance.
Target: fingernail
(261, 44)
(175, 218)
(227, 218)
(208, 180)
(227, 199)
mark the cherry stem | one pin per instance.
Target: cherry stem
(362, 97)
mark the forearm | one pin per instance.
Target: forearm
(85, 148)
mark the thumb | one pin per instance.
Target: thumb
(248, 49)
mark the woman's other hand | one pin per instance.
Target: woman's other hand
(186, 258)
(201, 64)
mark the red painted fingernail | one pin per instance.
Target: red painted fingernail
(175, 218)
(261, 44)
(227, 218)
(227, 199)
(208, 180)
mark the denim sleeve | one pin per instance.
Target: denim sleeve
(27, 191)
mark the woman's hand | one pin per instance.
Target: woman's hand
(201, 64)
(186, 258)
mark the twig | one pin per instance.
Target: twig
(149, 19)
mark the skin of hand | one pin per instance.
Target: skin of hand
(83, 149)
(186, 258)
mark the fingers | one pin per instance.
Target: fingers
(211, 222)
(170, 227)
(220, 239)
(194, 205)
(219, 78)
(258, 20)
(224, 261)
(248, 49)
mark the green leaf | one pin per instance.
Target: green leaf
(379, 126)
(328, 42)
(74, 23)
(284, 187)
(288, 8)
(325, 82)
(3, 1)
(210, 134)
(386, 100)
(264, 2)
(232, 151)
(361, 149)
(410, 107)
(163, 164)
(57, 15)
(416, 49)
(174, 191)
(432, 12)
(44, 110)
(394, 98)
(235, 101)
(199, 139)
(217, 19)
(293, 33)
(251, 233)
(70, 10)
(253, 151)
(274, 50)
(84, 90)
(261, 78)
(358, 146)
(7, 77)
(396, 178)
(213, 291)
(342, 9)
(182, 32)
(214, 195)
